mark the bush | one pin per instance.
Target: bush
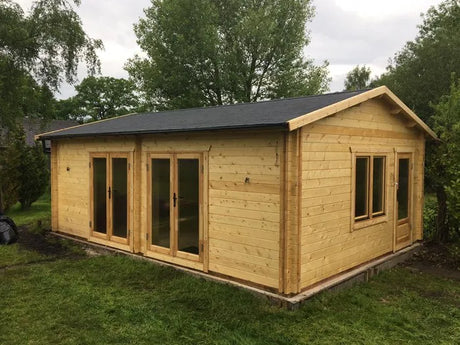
(24, 173)
(430, 211)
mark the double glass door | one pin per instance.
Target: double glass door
(174, 205)
(110, 196)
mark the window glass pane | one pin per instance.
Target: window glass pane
(361, 186)
(378, 185)
(188, 203)
(99, 196)
(120, 197)
(160, 202)
(403, 188)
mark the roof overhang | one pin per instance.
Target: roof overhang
(276, 126)
(379, 92)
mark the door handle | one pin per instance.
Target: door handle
(174, 199)
(110, 193)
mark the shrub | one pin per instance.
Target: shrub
(24, 173)
(430, 211)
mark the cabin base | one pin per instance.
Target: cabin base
(343, 280)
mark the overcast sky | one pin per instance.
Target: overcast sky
(344, 32)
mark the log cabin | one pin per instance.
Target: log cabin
(282, 195)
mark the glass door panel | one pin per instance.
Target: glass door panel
(403, 188)
(99, 195)
(188, 205)
(119, 197)
(110, 196)
(161, 208)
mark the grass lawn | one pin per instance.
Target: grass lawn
(113, 299)
(40, 210)
(71, 298)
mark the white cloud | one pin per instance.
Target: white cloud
(352, 32)
(372, 9)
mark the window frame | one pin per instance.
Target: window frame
(371, 217)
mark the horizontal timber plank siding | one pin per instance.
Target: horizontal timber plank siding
(329, 245)
(243, 199)
(72, 179)
(243, 209)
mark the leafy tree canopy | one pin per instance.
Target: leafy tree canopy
(444, 161)
(99, 98)
(212, 52)
(38, 51)
(421, 72)
(358, 78)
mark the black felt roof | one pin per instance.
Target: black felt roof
(275, 113)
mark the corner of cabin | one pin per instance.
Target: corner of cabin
(349, 208)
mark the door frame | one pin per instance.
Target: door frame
(172, 253)
(108, 238)
(408, 221)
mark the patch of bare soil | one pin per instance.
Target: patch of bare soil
(437, 259)
(43, 242)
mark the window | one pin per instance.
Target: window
(369, 187)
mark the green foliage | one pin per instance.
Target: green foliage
(38, 51)
(9, 173)
(24, 172)
(203, 52)
(20, 94)
(420, 72)
(103, 97)
(67, 109)
(430, 210)
(34, 175)
(445, 157)
(358, 78)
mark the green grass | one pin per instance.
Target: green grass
(15, 255)
(119, 300)
(40, 210)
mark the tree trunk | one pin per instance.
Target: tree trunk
(442, 226)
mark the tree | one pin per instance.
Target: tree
(103, 97)
(445, 158)
(24, 174)
(213, 52)
(358, 78)
(9, 174)
(67, 109)
(39, 50)
(420, 75)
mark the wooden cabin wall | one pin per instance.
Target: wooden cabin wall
(70, 181)
(329, 245)
(243, 215)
